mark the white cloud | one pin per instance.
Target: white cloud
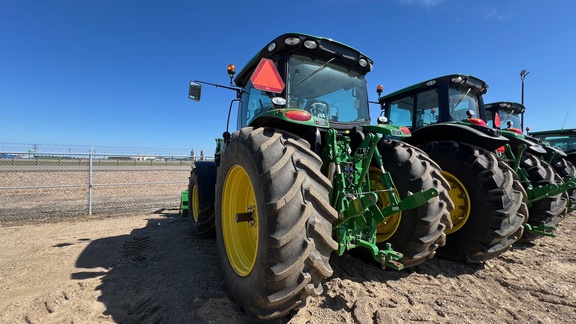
(421, 3)
(495, 14)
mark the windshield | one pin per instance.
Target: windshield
(566, 143)
(462, 100)
(327, 90)
(508, 119)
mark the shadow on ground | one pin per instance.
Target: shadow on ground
(162, 273)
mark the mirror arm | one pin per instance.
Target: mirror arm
(218, 85)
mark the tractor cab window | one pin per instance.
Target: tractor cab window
(326, 90)
(509, 119)
(400, 111)
(566, 142)
(460, 101)
(490, 116)
(254, 102)
(427, 108)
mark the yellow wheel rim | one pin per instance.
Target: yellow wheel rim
(195, 203)
(240, 238)
(388, 227)
(461, 200)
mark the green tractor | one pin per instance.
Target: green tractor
(506, 115)
(563, 139)
(306, 174)
(490, 201)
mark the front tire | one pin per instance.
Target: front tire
(487, 217)
(278, 254)
(202, 214)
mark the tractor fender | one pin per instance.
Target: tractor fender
(206, 181)
(488, 140)
(531, 147)
(553, 150)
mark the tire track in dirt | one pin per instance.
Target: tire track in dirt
(154, 269)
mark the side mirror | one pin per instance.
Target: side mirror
(194, 91)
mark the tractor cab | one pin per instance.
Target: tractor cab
(443, 108)
(299, 80)
(505, 115)
(563, 139)
(451, 98)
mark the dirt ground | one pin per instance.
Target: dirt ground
(153, 269)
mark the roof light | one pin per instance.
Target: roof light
(379, 89)
(271, 47)
(299, 115)
(310, 44)
(459, 79)
(363, 62)
(292, 41)
(505, 105)
(431, 83)
(231, 70)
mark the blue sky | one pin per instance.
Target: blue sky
(116, 72)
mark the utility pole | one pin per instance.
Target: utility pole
(523, 75)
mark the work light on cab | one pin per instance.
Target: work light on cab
(310, 44)
(459, 79)
(292, 41)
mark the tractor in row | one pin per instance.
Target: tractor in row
(305, 175)
(508, 116)
(491, 169)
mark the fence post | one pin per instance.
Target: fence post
(90, 182)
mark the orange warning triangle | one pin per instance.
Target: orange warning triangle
(266, 77)
(497, 122)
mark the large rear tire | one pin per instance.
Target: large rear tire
(565, 169)
(202, 214)
(278, 253)
(418, 232)
(550, 210)
(488, 214)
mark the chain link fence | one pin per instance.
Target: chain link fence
(43, 185)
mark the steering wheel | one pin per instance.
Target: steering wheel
(318, 108)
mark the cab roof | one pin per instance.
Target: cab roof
(507, 106)
(327, 47)
(467, 80)
(566, 131)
